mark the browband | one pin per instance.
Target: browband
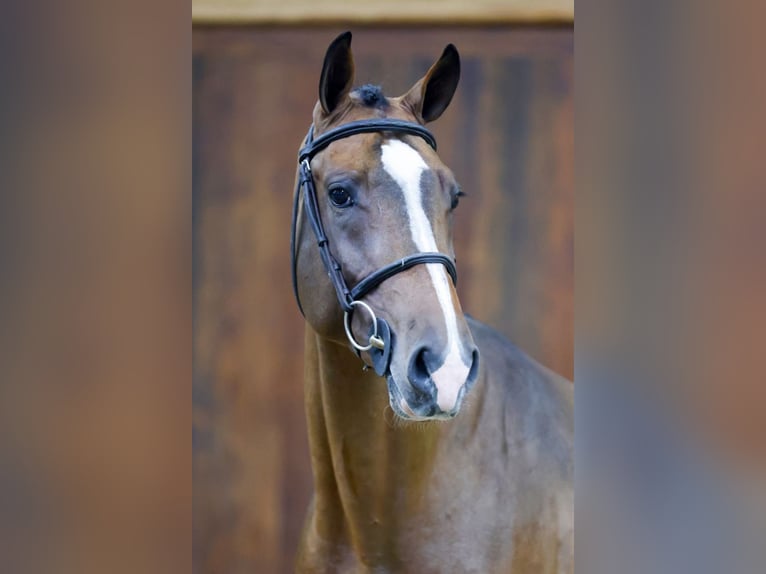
(311, 148)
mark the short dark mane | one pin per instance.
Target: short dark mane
(371, 96)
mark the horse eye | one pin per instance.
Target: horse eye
(340, 197)
(456, 199)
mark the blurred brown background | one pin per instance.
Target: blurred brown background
(508, 136)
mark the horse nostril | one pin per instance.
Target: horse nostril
(419, 373)
(473, 372)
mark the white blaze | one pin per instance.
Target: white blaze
(405, 166)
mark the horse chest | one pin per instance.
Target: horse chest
(459, 526)
(446, 548)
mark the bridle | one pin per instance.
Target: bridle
(380, 338)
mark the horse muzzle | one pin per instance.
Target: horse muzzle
(433, 393)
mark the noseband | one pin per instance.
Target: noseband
(379, 342)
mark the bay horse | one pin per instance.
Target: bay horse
(449, 450)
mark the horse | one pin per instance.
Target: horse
(436, 444)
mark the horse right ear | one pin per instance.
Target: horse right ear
(431, 95)
(337, 73)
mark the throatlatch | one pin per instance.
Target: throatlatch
(380, 338)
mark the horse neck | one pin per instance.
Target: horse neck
(360, 454)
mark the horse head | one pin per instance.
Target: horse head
(378, 197)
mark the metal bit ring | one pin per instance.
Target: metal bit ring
(374, 340)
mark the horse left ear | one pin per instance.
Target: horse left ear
(431, 95)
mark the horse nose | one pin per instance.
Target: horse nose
(436, 391)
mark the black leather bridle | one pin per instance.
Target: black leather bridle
(380, 339)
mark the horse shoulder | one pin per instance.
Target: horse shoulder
(528, 411)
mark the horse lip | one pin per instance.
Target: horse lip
(398, 402)
(406, 408)
(401, 407)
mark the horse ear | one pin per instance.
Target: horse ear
(337, 73)
(431, 95)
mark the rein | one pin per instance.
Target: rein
(379, 342)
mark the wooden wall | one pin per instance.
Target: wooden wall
(508, 136)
